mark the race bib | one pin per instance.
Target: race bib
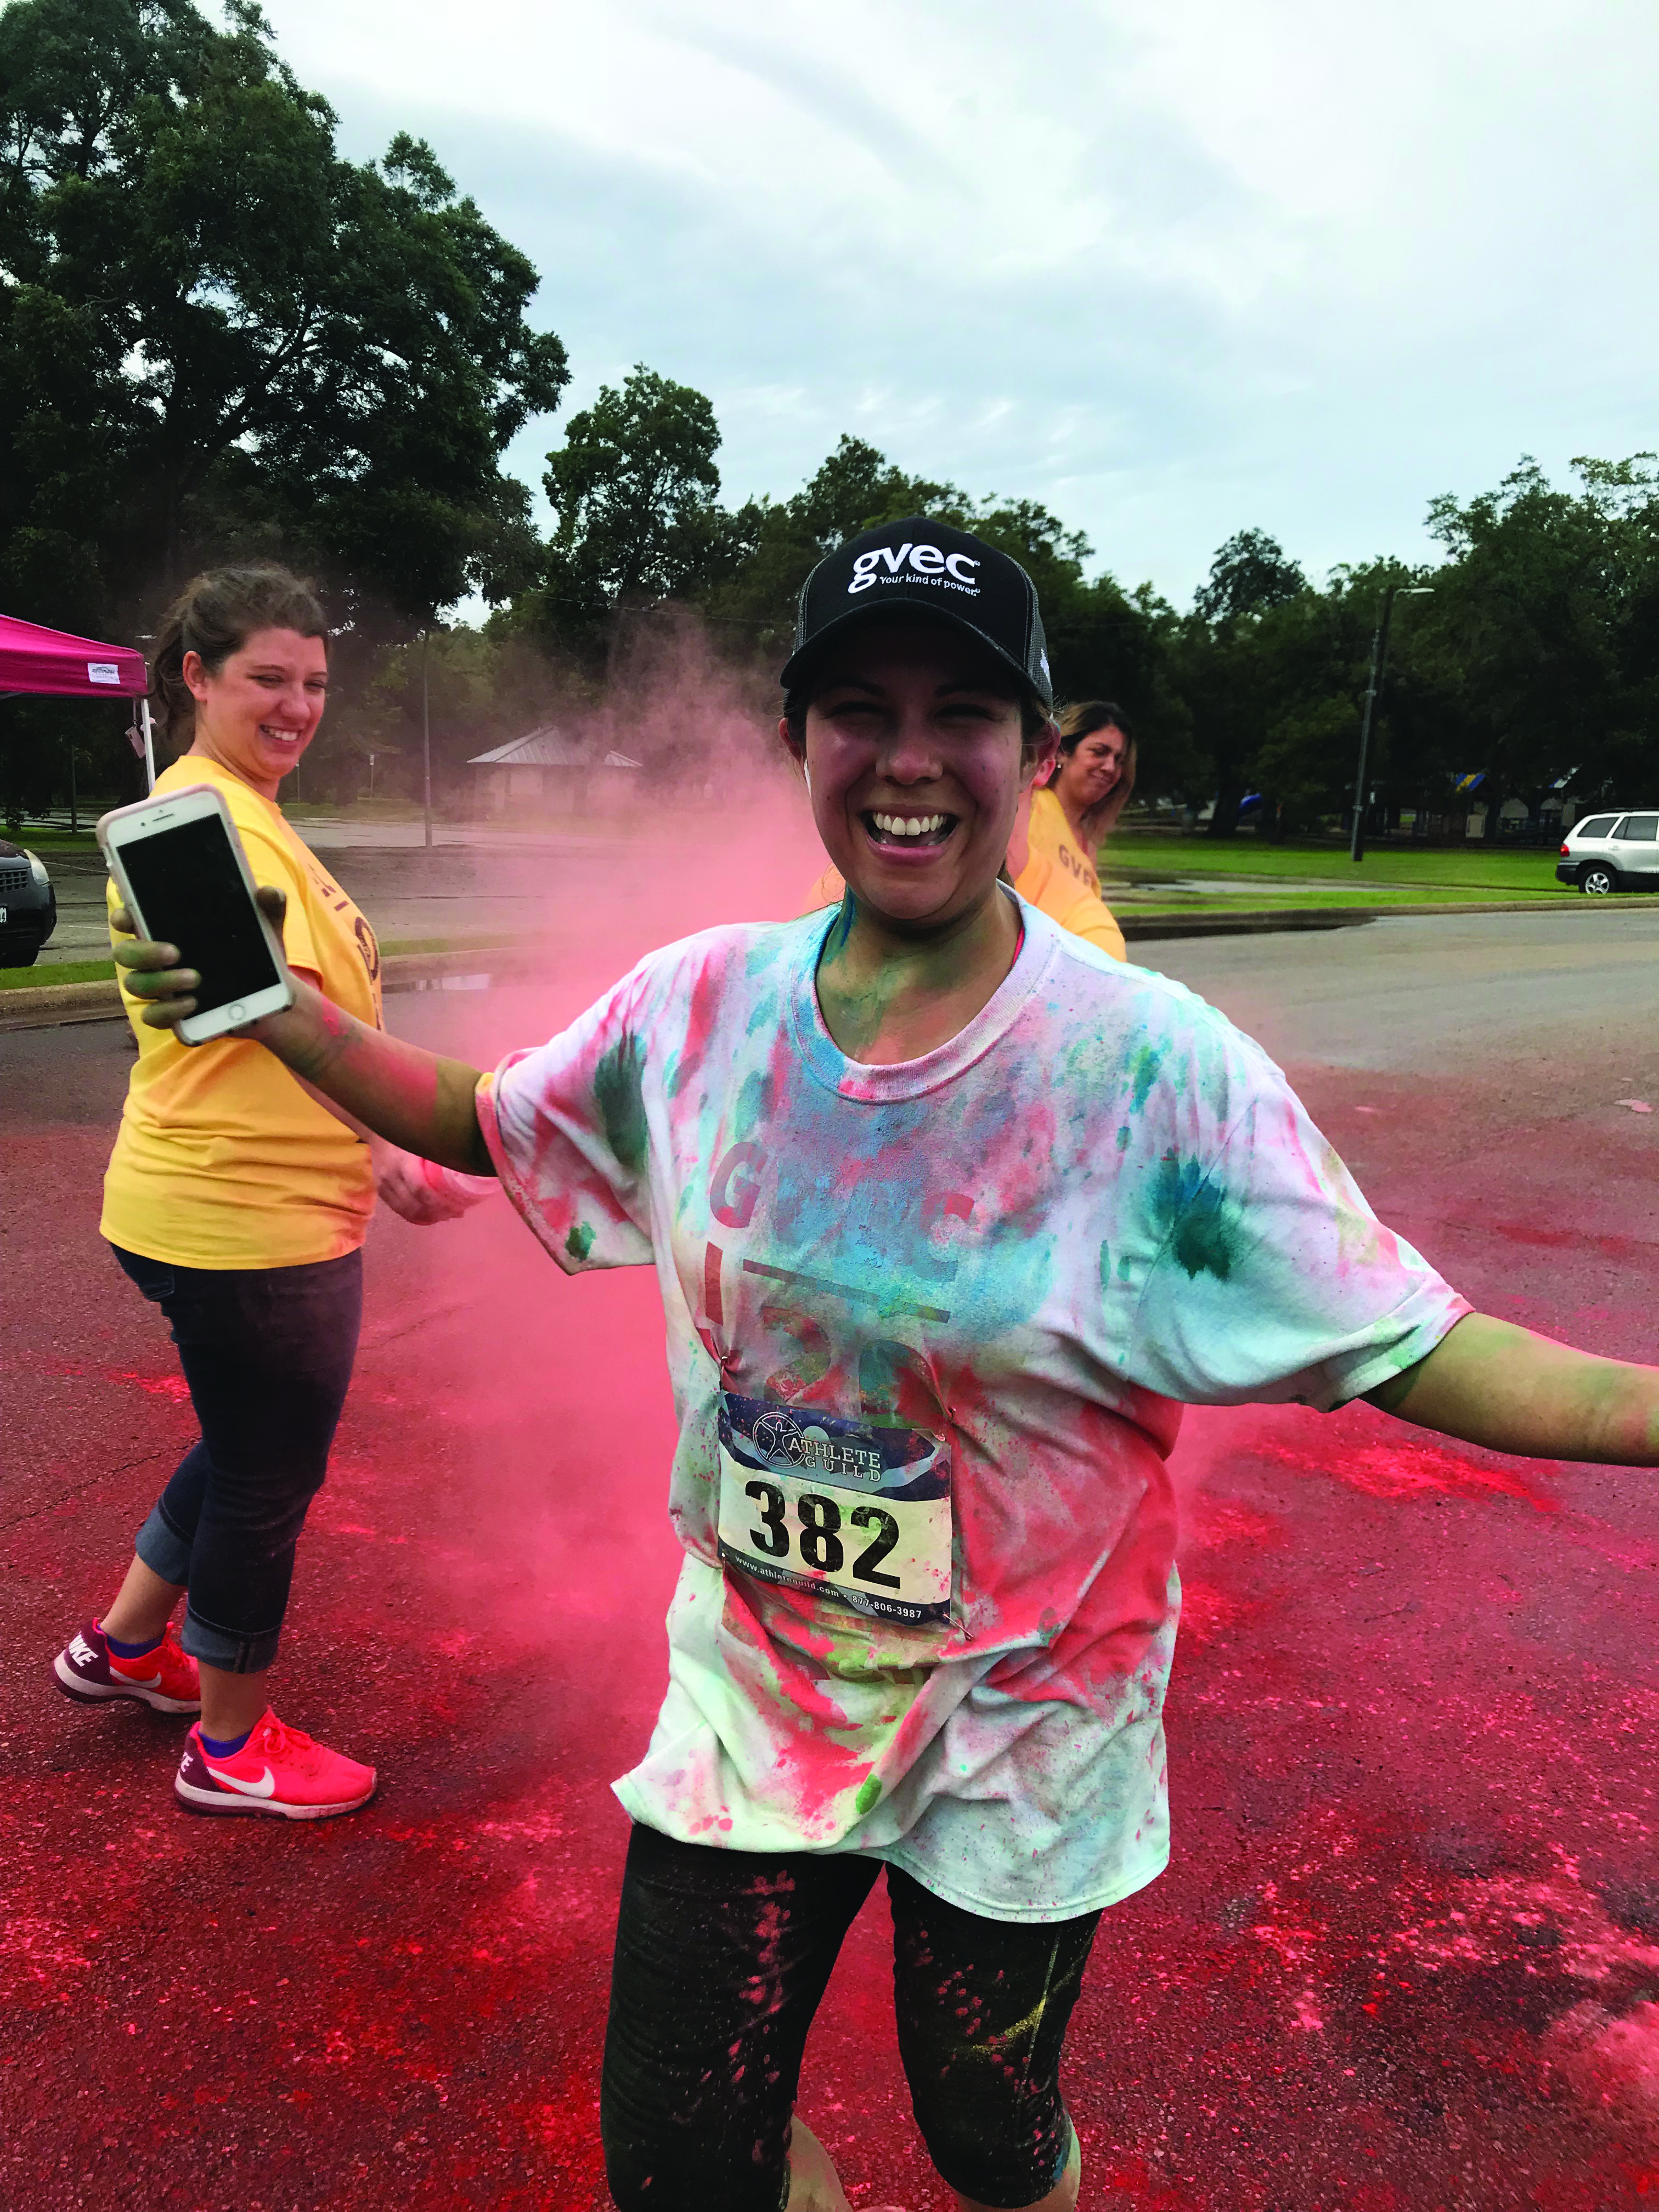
(859, 1515)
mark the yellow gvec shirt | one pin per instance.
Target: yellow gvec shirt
(222, 1160)
(1060, 878)
(1057, 879)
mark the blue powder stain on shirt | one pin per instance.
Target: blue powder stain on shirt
(1204, 1225)
(754, 1104)
(850, 1182)
(618, 1091)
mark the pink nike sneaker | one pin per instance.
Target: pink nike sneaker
(278, 1770)
(87, 1670)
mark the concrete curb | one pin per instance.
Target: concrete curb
(1139, 928)
(45, 1005)
(49, 1006)
(1251, 921)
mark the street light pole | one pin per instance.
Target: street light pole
(1379, 669)
(426, 734)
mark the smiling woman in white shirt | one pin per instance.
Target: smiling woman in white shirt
(952, 1212)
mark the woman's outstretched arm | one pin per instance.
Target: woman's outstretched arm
(1492, 1383)
(417, 1099)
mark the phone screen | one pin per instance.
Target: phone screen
(192, 895)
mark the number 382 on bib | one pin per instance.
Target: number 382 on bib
(857, 1514)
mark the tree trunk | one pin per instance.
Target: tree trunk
(1224, 823)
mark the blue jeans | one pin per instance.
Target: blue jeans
(267, 1352)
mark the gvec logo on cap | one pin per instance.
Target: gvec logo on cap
(922, 560)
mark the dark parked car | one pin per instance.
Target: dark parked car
(28, 906)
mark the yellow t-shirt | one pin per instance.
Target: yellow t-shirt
(222, 1160)
(1057, 879)
(1060, 876)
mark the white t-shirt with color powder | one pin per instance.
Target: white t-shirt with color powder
(930, 1328)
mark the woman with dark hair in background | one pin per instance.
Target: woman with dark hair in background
(238, 1200)
(1069, 817)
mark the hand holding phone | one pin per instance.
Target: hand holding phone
(181, 871)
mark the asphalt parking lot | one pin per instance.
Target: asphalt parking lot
(1406, 1958)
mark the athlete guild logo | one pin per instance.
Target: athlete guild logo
(925, 561)
(776, 1436)
(368, 948)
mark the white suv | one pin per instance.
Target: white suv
(1612, 853)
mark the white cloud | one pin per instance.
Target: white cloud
(1175, 266)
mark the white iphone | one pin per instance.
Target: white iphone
(181, 870)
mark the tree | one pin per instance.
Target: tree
(1220, 658)
(217, 336)
(1539, 629)
(1249, 574)
(636, 494)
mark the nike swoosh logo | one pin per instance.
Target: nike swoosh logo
(149, 1682)
(265, 1787)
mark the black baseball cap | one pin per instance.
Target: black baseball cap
(924, 569)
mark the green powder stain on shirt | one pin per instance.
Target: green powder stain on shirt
(1143, 1073)
(1206, 1226)
(1123, 1138)
(579, 1242)
(869, 1792)
(618, 1091)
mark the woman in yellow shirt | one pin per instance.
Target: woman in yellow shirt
(238, 1202)
(1069, 817)
(1056, 829)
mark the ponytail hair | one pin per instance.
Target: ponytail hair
(214, 616)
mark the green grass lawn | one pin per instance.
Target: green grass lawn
(1470, 871)
(488, 941)
(353, 810)
(36, 837)
(59, 971)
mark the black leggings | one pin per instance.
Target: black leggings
(721, 1960)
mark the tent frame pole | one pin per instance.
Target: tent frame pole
(149, 745)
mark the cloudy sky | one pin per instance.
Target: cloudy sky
(1174, 267)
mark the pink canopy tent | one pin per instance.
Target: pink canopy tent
(55, 662)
